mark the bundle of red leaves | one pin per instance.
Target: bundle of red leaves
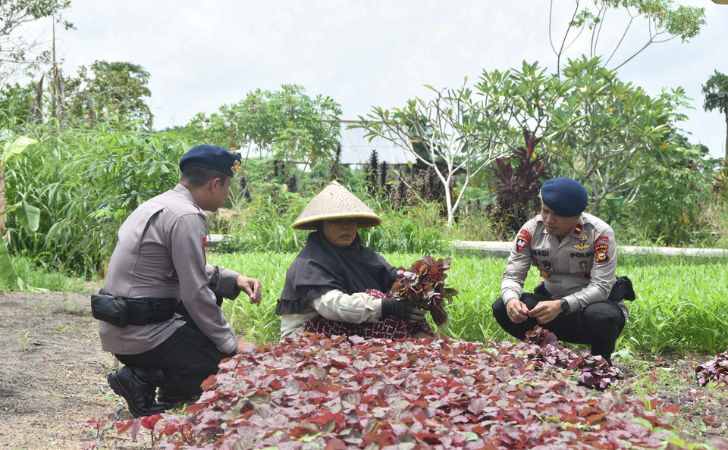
(337, 393)
(596, 372)
(424, 285)
(715, 370)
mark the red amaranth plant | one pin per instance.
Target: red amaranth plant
(424, 284)
(715, 370)
(596, 372)
(336, 393)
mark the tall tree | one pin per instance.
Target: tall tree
(460, 133)
(287, 123)
(112, 92)
(15, 51)
(716, 97)
(663, 19)
(613, 128)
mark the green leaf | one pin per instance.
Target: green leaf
(8, 277)
(16, 147)
(31, 217)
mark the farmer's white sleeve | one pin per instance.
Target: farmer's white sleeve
(353, 308)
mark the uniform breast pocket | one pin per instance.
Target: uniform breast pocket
(581, 263)
(545, 266)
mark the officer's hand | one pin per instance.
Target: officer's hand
(546, 311)
(402, 310)
(250, 286)
(245, 346)
(517, 311)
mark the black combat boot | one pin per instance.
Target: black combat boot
(136, 386)
(169, 399)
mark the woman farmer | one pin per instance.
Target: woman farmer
(326, 286)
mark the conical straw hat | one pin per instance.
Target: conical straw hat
(335, 202)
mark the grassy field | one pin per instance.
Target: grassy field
(32, 278)
(682, 303)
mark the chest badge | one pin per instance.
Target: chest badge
(581, 246)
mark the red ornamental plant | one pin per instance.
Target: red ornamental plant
(715, 370)
(596, 372)
(336, 393)
(424, 284)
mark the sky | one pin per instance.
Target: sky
(364, 53)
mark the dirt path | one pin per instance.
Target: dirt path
(52, 371)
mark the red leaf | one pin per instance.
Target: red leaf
(148, 422)
(209, 383)
(325, 417)
(335, 444)
(123, 425)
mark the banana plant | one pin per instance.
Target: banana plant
(29, 214)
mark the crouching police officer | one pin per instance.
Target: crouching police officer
(160, 306)
(578, 299)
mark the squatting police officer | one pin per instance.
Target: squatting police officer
(160, 306)
(576, 255)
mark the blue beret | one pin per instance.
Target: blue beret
(211, 157)
(565, 197)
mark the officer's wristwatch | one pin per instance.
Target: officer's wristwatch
(564, 306)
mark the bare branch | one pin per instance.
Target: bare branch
(551, 38)
(563, 41)
(647, 44)
(578, 35)
(601, 23)
(621, 39)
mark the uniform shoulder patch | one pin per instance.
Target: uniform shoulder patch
(601, 249)
(522, 240)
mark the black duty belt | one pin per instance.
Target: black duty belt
(123, 311)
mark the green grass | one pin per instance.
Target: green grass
(682, 303)
(32, 278)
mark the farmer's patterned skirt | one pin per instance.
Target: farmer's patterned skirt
(383, 329)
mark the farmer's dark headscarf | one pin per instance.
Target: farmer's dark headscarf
(322, 267)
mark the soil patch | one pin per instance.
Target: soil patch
(52, 371)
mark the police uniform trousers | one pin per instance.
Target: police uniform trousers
(598, 325)
(182, 362)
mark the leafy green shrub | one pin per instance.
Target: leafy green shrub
(418, 229)
(85, 183)
(669, 208)
(264, 223)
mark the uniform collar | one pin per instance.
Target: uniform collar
(181, 189)
(578, 230)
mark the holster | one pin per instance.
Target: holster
(110, 309)
(622, 290)
(123, 311)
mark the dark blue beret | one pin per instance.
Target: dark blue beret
(211, 157)
(565, 197)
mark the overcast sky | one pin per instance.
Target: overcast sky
(203, 54)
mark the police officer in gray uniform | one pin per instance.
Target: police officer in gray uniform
(160, 306)
(576, 255)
